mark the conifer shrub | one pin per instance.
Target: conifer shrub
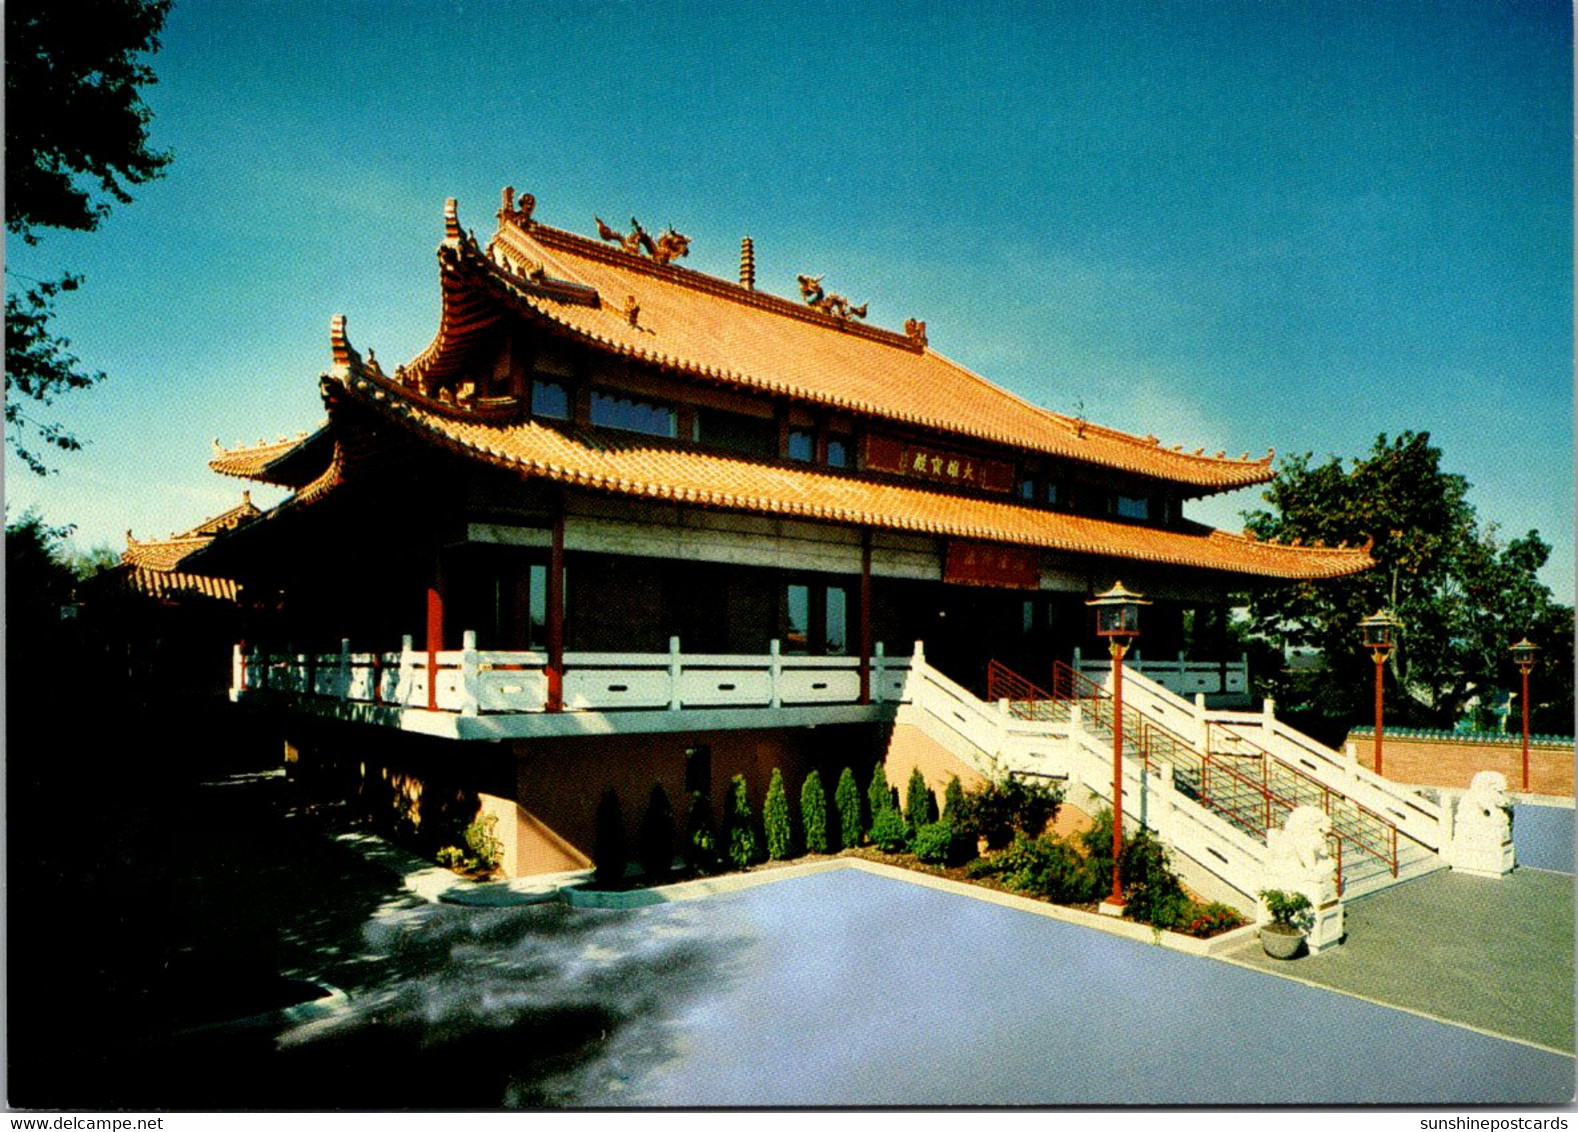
(847, 800)
(889, 831)
(701, 837)
(775, 819)
(740, 843)
(934, 843)
(655, 838)
(953, 800)
(610, 851)
(920, 804)
(879, 795)
(813, 813)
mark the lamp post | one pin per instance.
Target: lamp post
(1117, 619)
(1378, 630)
(1523, 656)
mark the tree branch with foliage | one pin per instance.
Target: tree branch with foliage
(1462, 593)
(79, 71)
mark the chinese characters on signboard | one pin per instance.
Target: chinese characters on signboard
(987, 564)
(887, 455)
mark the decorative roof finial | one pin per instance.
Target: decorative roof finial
(519, 214)
(827, 302)
(452, 233)
(665, 249)
(915, 331)
(747, 264)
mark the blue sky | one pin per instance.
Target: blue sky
(1234, 225)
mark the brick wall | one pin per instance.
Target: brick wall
(1451, 762)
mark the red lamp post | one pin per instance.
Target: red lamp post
(1378, 631)
(1117, 619)
(1523, 656)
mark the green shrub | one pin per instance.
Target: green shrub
(1040, 866)
(1152, 892)
(452, 857)
(934, 843)
(888, 830)
(953, 800)
(920, 804)
(879, 795)
(998, 809)
(655, 838)
(775, 819)
(813, 813)
(1290, 909)
(610, 850)
(739, 827)
(701, 838)
(847, 799)
(482, 839)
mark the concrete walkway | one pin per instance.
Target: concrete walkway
(1496, 955)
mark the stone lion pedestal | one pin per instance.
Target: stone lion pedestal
(1297, 860)
(1481, 843)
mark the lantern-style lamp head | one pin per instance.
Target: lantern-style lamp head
(1377, 630)
(1118, 613)
(1523, 654)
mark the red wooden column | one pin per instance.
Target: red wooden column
(435, 631)
(865, 616)
(555, 670)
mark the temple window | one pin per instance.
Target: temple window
(1027, 488)
(815, 620)
(754, 436)
(1134, 507)
(1051, 493)
(550, 399)
(802, 444)
(630, 414)
(838, 449)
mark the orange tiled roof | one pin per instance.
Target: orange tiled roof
(284, 461)
(727, 333)
(641, 467)
(153, 565)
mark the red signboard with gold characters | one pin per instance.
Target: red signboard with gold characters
(926, 462)
(989, 564)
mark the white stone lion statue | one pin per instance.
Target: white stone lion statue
(1482, 814)
(1299, 847)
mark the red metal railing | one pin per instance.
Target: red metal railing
(1247, 786)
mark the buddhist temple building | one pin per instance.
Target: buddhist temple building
(621, 517)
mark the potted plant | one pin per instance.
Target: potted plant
(1291, 918)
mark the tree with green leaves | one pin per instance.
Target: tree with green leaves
(920, 804)
(739, 826)
(813, 813)
(775, 819)
(846, 798)
(701, 836)
(1462, 592)
(611, 849)
(82, 141)
(879, 795)
(655, 838)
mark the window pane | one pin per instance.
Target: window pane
(631, 415)
(798, 619)
(537, 598)
(1134, 507)
(550, 399)
(1027, 489)
(757, 436)
(1052, 493)
(837, 626)
(838, 451)
(802, 445)
(1028, 626)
